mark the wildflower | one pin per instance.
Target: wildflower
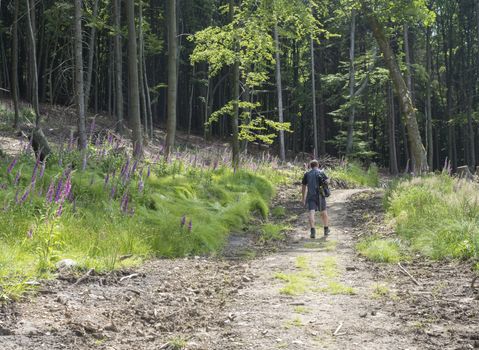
(148, 173)
(12, 164)
(190, 225)
(25, 196)
(112, 192)
(58, 190)
(66, 189)
(30, 233)
(183, 221)
(17, 178)
(124, 203)
(60, 210)
(51, 188)
(34, 173)
(134, 168)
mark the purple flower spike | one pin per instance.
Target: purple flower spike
(17, 178)
(25, 196)
(190, 225)
(60, 210)
(148, 172)
(183, 221)
(12, 164)
(66, 190)
(58, 191)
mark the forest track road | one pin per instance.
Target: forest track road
(313, 294)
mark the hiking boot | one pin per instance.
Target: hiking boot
(313, 233)
(326, 231)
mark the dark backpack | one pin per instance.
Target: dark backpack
(323, 187)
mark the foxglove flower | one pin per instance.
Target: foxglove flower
(42, 170)
(190, 225)
(25, 196)
(60, 210)
(11, 165)
(107, 179)
(183, 221)
(58, 190)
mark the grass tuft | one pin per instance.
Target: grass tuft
(380, 250)
(438, 215)
(354, 175)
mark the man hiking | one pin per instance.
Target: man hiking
(313, 196)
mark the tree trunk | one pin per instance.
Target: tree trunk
(282, 153)
(352, 82)
(407, 55)
(415, 143)
(79, 86)
(393, 165)
(118, 66)
(144, 112)
(172, 77)
(429, 141)
(313, 90)
(33, 56)
(15, 66)
(134, 105)
(235, 81)
(190, 106)
(148, 98)
(91, 53)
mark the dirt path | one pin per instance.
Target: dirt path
(313, 295)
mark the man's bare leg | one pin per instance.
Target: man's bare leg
(325, 220)
(312, 223)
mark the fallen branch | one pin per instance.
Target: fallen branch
(408, 274)
(338, 329)
(133, 275)
(84, 277)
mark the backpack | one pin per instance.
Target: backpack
(323, 187)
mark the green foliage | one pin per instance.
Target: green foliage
(165, 209)
(272, 232)
(438, 214)
(380, 250)
(355, 176)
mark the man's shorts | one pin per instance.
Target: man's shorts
(317, 204)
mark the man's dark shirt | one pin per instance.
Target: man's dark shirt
(310, 179)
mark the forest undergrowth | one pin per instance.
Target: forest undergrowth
(436, 216)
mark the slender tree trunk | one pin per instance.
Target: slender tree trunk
(91, 54)
(393, 165)
(79, 86)
(172, 77)
(282, 153)
(15, 65)
(418, 151)
(148, 98)
(407, 55)
(118, 65)
(429, 140)
(313, 89)
(190, 106)
(134, 100)
(352, 82)
(33, 56)
(144, 112)
(235, 81)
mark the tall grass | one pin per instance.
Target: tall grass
(438, 214)
(97, 206)
(354, 175)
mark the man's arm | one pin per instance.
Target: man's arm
(303, 193)
(304, 189)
